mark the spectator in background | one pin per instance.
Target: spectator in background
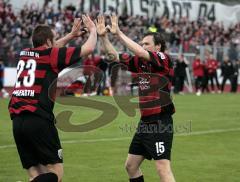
(212, 66)
(103, 66)
(178, 32)
(205, 78)
(2, 90)
(1, 74)
(198, 73)
(233, 52)
(113, 70)
(180, 73)
(92, 74)
(236, 67)
(227, 72)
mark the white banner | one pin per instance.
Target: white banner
(151, 8)
(193, 10)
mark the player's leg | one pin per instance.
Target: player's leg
(163, 146)
(217, 82)
(164, 170)
(33, 172)
(158, 144)
(223, 83)
(212, 83)
(182, 78)
(177, 85)
(136, 155)
(41, 173)
(198, 85)
(234, 83)
(25, 150)
(45, 177)
(57, 169)
(132, 166)
(44, 140)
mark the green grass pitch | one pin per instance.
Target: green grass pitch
(206, 149)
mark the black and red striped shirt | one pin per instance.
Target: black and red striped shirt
(37, 70)
(154, 81)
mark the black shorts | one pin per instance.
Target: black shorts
(153, 139)
(37, 140)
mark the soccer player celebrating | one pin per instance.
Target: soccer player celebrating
(153, 139)
(30, 107)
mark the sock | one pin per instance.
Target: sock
(138, 179)
(46, 177)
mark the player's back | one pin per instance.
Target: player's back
(34, 76)
(37, 70)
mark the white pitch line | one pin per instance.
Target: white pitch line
(208, 132)
(127, 138)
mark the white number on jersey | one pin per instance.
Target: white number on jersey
(28, 80)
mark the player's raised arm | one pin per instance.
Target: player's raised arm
(102, 33)
(75, 32)
(67, 56)
(130, 44)
(89, 46)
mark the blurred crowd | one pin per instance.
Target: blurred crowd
(102, 77)
(182, 36)
(209, 75)
(16, 27)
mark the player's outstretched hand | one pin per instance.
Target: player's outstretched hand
(114, 29)
(89, 24)
(75, 32)
(100, 24)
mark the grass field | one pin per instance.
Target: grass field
(206, 146)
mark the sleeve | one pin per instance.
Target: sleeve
(130, 61)
(64, 57)
(160, 61)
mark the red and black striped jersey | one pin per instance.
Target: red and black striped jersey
(154, 81)
(37, 70)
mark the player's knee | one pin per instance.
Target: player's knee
(130, 167)
(46, 177)
(163, 168)
(56, 169)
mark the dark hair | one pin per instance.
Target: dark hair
(41, 34)
(158, 39)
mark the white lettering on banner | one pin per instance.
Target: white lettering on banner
(170, 8)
